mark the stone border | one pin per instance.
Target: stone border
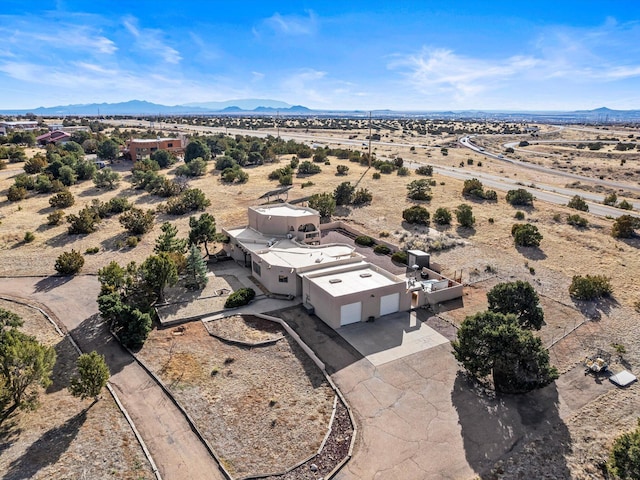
(121, 407)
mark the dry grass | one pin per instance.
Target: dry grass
(565, 251)
(67, 437)
(262, 409)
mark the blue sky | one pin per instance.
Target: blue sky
(427, 55)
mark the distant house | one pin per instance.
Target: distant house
(6, 127)
(281, 245)
(139, 148)
(55, 136)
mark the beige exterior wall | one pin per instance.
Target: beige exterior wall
(327, 307)
(283, 225)
(279, 280)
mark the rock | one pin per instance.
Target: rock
(313, 467)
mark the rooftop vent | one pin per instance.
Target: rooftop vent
(365, 275)
(335, 280)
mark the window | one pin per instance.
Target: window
(169, 145)
(283, 278)
(256, 268)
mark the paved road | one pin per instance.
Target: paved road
(174, 447)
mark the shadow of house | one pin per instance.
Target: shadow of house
(496, 426)
(47, 450)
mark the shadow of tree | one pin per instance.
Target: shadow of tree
(47, 450)
(50, 283)
(465, 232)
(9, 432)
(594, 309)
(93, 334)
(532, 253)
(497, 426)
(66, 357)
(61, 240)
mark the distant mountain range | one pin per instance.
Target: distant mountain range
(141, 107)
(265, 106)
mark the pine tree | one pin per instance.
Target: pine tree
(93, 375)
(168, 241)
(196, 269)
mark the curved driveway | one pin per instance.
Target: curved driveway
(175, 448)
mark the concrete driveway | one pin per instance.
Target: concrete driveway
(419, 417)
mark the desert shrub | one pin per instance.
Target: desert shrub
(473, 188)
(519, 215)
(382, 249)
(118, 205)
(344, 193)
(15, 193)
(106, 178)
(137, 222)
(624, 205)
(29, 237)
(403, 172)
(195, 168)
(69, 263)
(624, 226)
(67, 175)
(386, 168)
(361, 197)
(308, 168)
(92, 250)
(240, 297)
(62, 200)
(400, 257)
(280, 172)
(611, 199)
(426, 170)
(519, 197)
(376, 176)
(86, 221)
(43, 183)
(307, 184)
(25, 181)
(491, 195)
(590, 287)
(578, 203)
(464, 215)
(384, 234)
(342, 169)
(35, 164)
(132, 241)
(577, 221)
(526, 235)
(55, 217)
(442, 216)
(324, 203)
(419, 190)
(624, 457)
(225, 162)
(192, 199)
(416, 215)
(365, 241)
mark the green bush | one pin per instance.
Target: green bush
(92, 250)
(442, 216)
(62, 200)
(624, 205)
(29, 237)
(132, 241)
(361, 197)
(519, 215)
(376, 176)
(590, 287)
(69, 263)
(624, 226)
(577, 221)
(403, 172)
(578, 203)
(519, 197)
(308, 168)
(240, 297)
(55, 218)
(400, 257)
(526, 235)
(416, 215)
(365, 241)
(464, 215)
(426, 170)
(307, 184)
(382, 249)
(137, 222)
(15, 193)
(624, 458)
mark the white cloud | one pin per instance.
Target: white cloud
(257, 76)
(150, 40)
(291, 24)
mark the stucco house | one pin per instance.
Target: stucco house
(139, 148)
(281, 244)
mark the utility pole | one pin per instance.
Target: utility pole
(369, 138)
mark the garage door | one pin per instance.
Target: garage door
(389, 304)
(350, 313)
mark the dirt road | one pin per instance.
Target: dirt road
(174, 447)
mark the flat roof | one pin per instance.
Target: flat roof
(285, 210)
(287, 253)
(251, 239)
(338, 283)
(152, 140)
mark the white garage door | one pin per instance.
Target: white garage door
(350, 313)
(389, 304)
